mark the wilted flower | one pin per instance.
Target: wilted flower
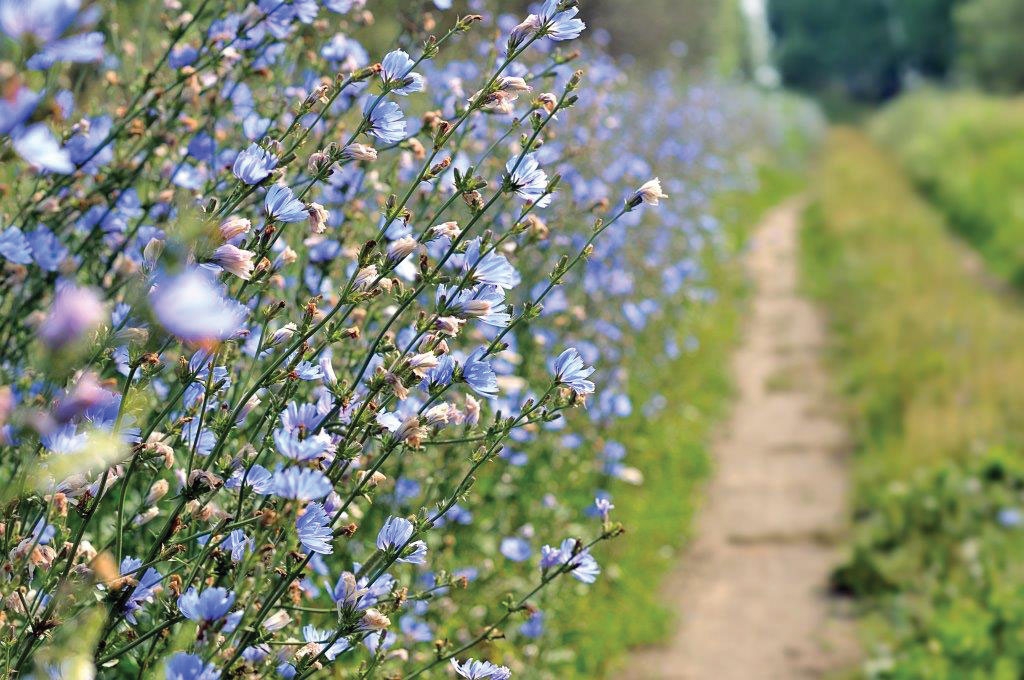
(649, 193)
(235, 260)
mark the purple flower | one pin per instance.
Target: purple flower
(75, 311)
(184, 666)
(191, 307)
(570, 370)
(314, 528)
(253, 165)
(210, 605)
(527, 180)
(303, 484)
(471, 669)
(387, 122)
(281, 205)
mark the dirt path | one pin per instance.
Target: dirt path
(750, 590)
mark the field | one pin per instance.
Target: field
(466, 339)
(928, 359)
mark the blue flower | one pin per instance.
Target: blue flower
(486, 302)
(145, 590)
(184, 666)
(210, 605)
(43, 20)
(581, 565)
(570, 370)
(397, 73)
(40, 148)
(560, 25)
(259, 478)
(442, 374)
(191, 307)
(516, 549)
(281, 205)
(395, 535)
(471, 669)
(491, 268)
(527, 180)
(303, 484)
(253, 165)
(387, 122)
(77, 49)
(237, 543)
(478, 374)
(534, 626)
(319, 637)
(14, 246)
(314, 528)
(291, 446)
(15, 108)
(47, 249)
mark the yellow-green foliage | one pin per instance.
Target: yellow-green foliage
(932, 360)
(932, 363)
(966, 152)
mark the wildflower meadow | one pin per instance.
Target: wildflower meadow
(311, 343)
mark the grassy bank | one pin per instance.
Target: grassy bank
(932, 368)
(966, 152)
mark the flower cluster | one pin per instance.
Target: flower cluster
(290, 331)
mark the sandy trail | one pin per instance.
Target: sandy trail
(750, 591)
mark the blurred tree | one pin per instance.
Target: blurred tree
(864, 47)
(992, 43)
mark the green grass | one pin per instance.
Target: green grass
(931, 365)
(671, 452)
(966, 152)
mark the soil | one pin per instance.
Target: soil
(751, 591)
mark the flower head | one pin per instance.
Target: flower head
(253, 165)
(314, 529)
(302, 484)
(527, 180)
(397, 73)
(386, 121)
(570, 370)
(471, 669)
(191, 307)
(209, 605)
(649, 192)
(282, 206)
(75, 311)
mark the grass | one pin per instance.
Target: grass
(671, 451)
(932, 368)
(966, 152)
